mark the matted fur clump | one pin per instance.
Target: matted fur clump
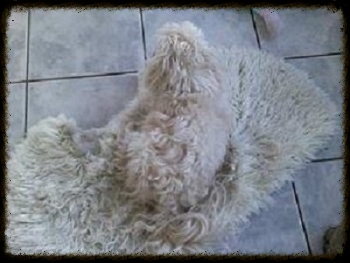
(211, 133)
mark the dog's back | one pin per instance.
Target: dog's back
(175, 150)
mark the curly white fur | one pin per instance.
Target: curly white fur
(177, 143)
(164, 176)
(172, 138)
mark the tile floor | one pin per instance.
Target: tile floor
(84, 64)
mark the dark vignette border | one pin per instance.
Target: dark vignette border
(7, 5)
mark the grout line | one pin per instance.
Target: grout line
(314, 56)
(296, 198)
(143, 35)
(86, 76)
(255, 28)
(16, 82)
(26, 81)
(326, 160)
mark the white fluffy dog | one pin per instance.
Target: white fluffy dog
(172, 137)
(145, 182)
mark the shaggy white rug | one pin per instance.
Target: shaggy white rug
(61, 200)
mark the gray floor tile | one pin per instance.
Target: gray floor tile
(327, 73)
(70, 43)
(221, 27)
(275, 230)
(17, 44)
(305, 32)
(90, 101)
(16, 113)
(320, 196)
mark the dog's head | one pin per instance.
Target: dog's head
(182, 59)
